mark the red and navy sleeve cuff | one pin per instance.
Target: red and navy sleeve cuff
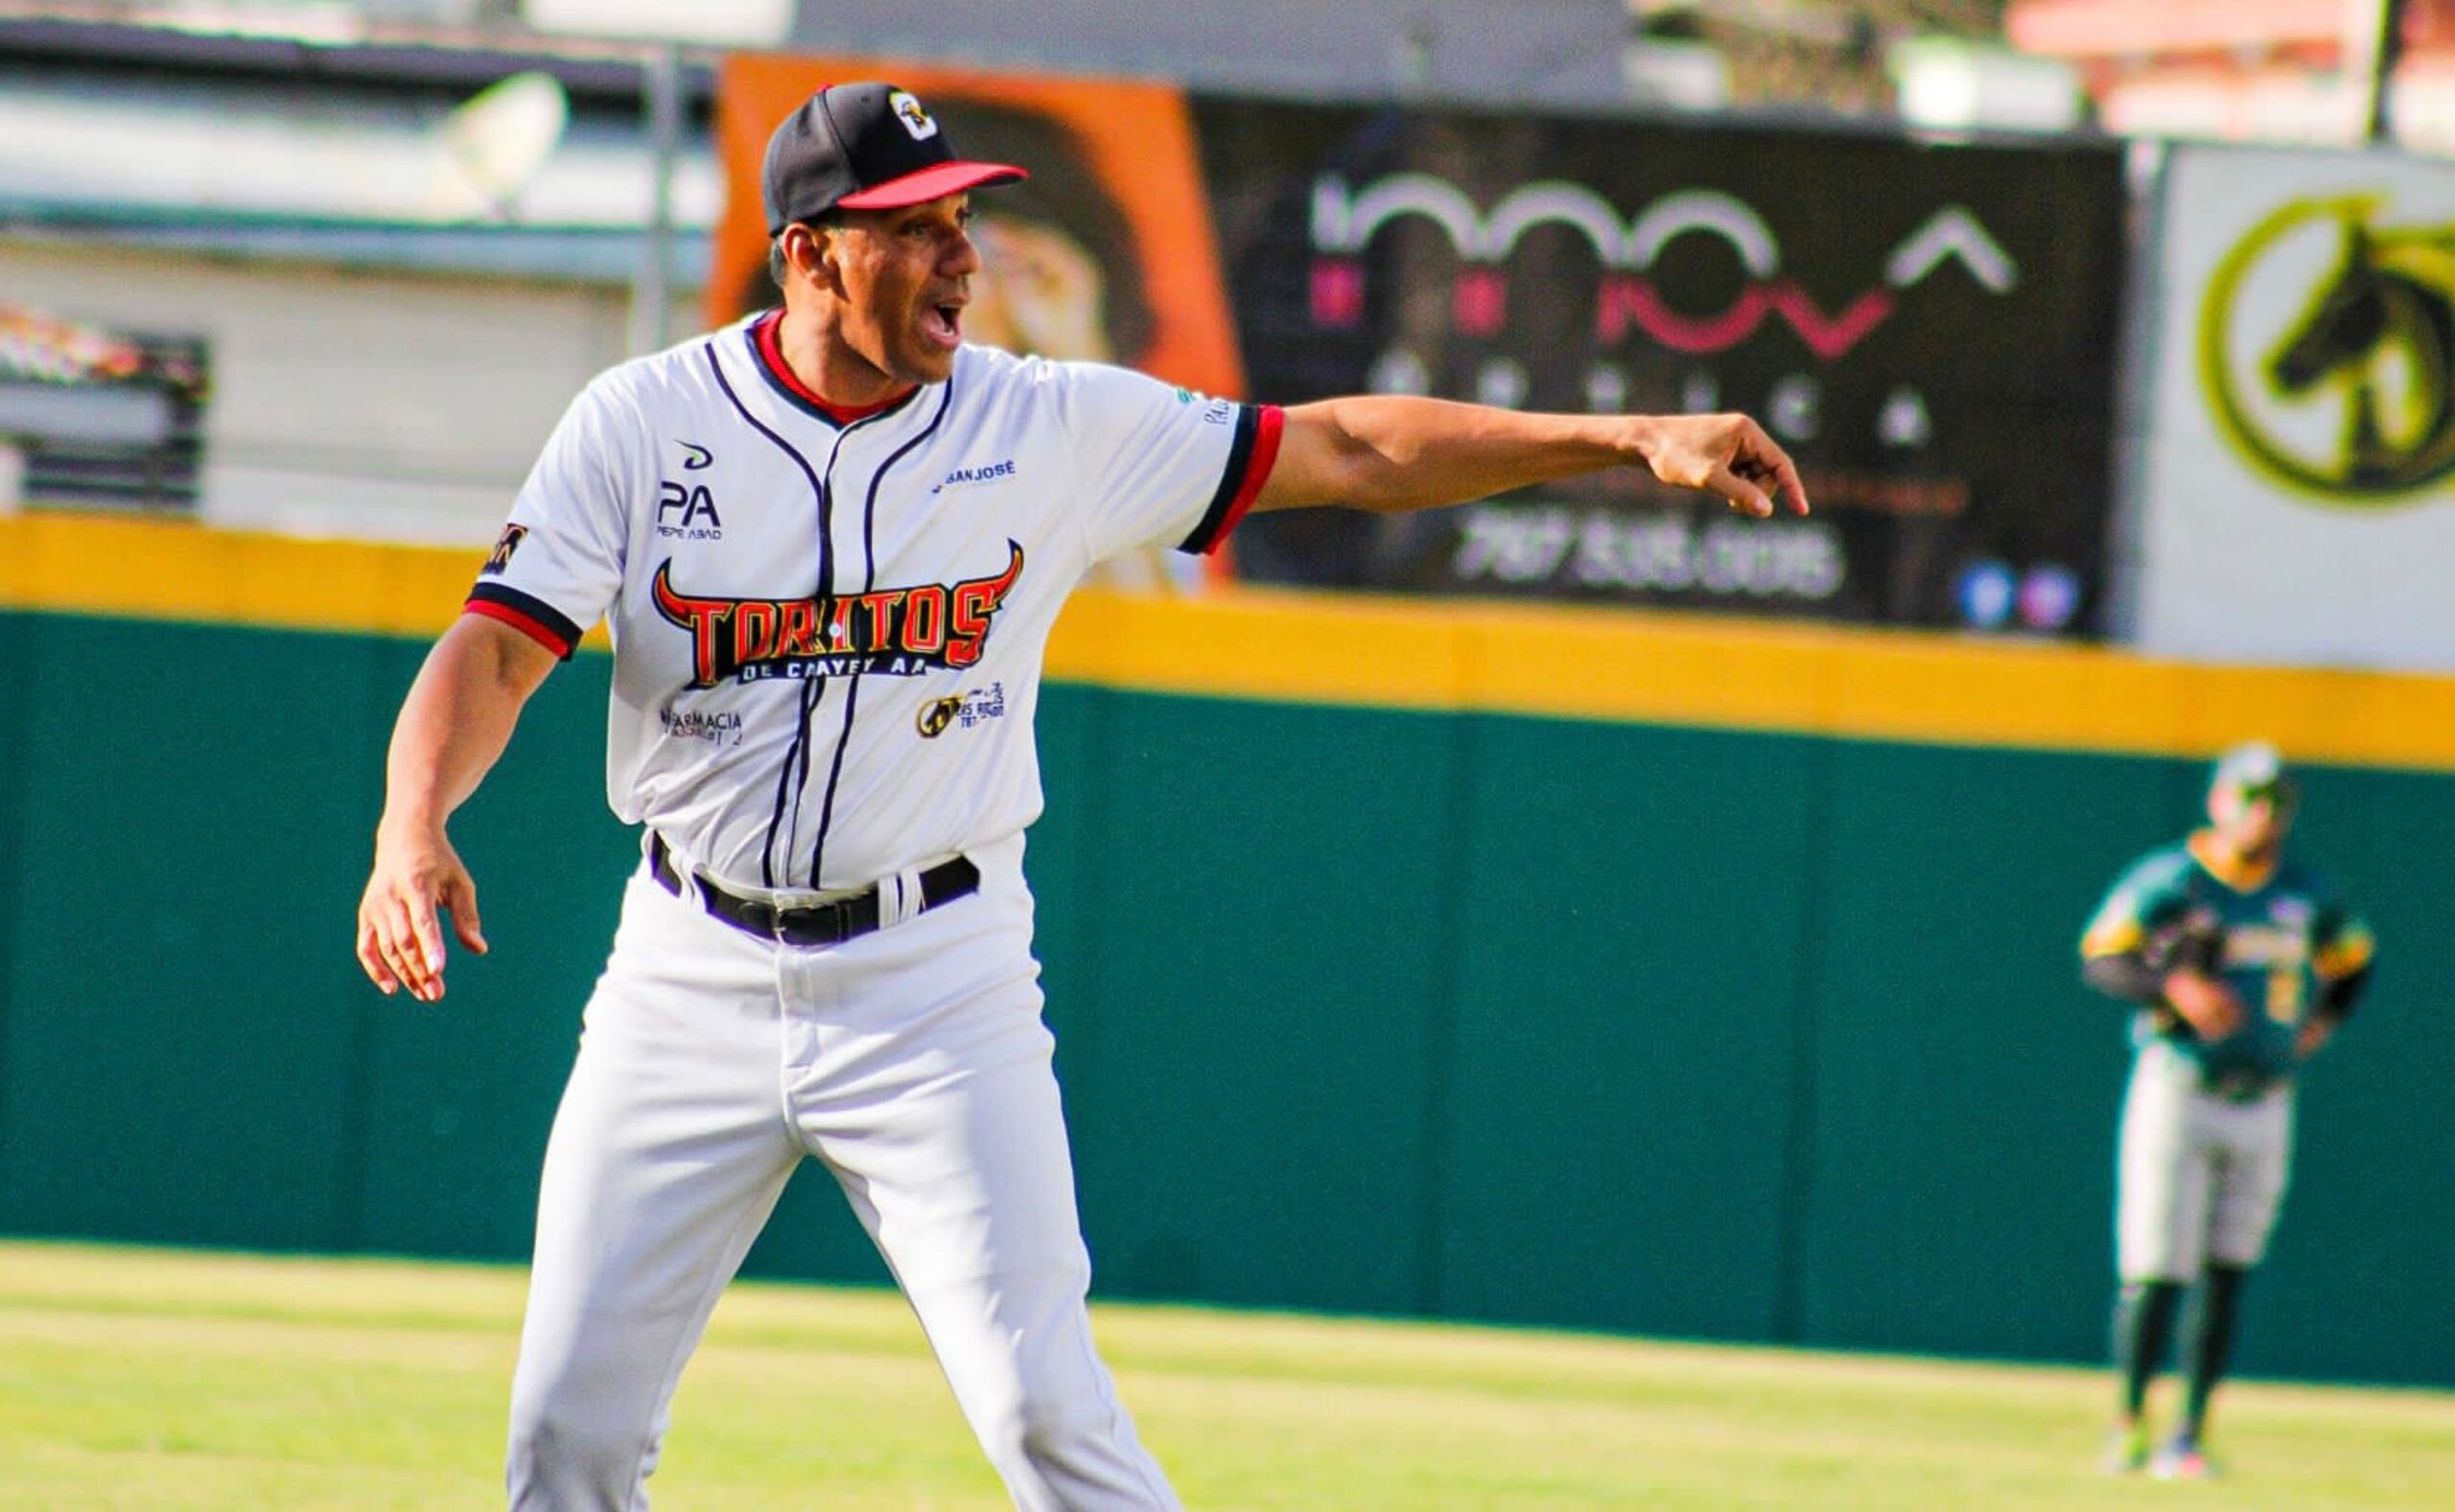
(1249, 459)
(532, 617)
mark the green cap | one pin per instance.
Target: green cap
(2256, 770)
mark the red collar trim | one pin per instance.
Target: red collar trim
(771, 352)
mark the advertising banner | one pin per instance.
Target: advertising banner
(98, 418)
(2299, 472)
(1931, 330)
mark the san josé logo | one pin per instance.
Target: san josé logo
(2327, 345)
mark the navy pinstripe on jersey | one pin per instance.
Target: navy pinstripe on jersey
(816, 688)
(785, 719)
(868, 584)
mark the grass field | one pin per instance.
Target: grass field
(143, 1378)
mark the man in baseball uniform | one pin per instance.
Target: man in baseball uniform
(829, 543)
(2243, 965)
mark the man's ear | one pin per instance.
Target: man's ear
(817, 251)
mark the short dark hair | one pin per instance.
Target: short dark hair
(776, 265)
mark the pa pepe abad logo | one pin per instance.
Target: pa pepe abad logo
(2326, 346)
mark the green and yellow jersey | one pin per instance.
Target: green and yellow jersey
(2278, 935)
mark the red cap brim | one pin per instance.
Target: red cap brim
(935, 182)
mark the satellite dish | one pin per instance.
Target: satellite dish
(495, 142)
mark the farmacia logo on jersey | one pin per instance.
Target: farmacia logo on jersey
(890, 632)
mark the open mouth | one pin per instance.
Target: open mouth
(942, 324)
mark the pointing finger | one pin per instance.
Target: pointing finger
(1762, 461)
(1788, 484)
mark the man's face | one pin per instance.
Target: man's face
(906, 275)
(2251, 822)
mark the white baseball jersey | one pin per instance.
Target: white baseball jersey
(829, 628)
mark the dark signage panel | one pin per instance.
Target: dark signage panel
(1931, 330)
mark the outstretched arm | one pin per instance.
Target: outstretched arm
(454, 723)
(1391, 452)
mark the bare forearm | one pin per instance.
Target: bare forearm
(1396, 452)
(456, 720)
(2125, 975)
(1389, 453)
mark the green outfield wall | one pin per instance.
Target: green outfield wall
(1603, 1021)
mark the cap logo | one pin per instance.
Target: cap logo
(916, 120)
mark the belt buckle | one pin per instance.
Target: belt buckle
(812, 925)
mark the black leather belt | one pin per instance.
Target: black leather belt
(2240, 1086)
(813, 924)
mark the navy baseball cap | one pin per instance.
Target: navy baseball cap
(864, 146)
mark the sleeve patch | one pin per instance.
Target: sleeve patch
(498, 560)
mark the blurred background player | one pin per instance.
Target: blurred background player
(2243, 963)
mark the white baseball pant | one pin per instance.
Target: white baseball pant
(913, 1062)
(2201, 1178)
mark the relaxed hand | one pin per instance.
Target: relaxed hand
(417, 876)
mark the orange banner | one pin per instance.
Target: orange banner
(1105, 254)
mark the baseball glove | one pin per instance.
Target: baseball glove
(2194, 943)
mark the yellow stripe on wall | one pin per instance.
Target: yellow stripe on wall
(1707, 670)
(173, 569)
(1605, 664)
